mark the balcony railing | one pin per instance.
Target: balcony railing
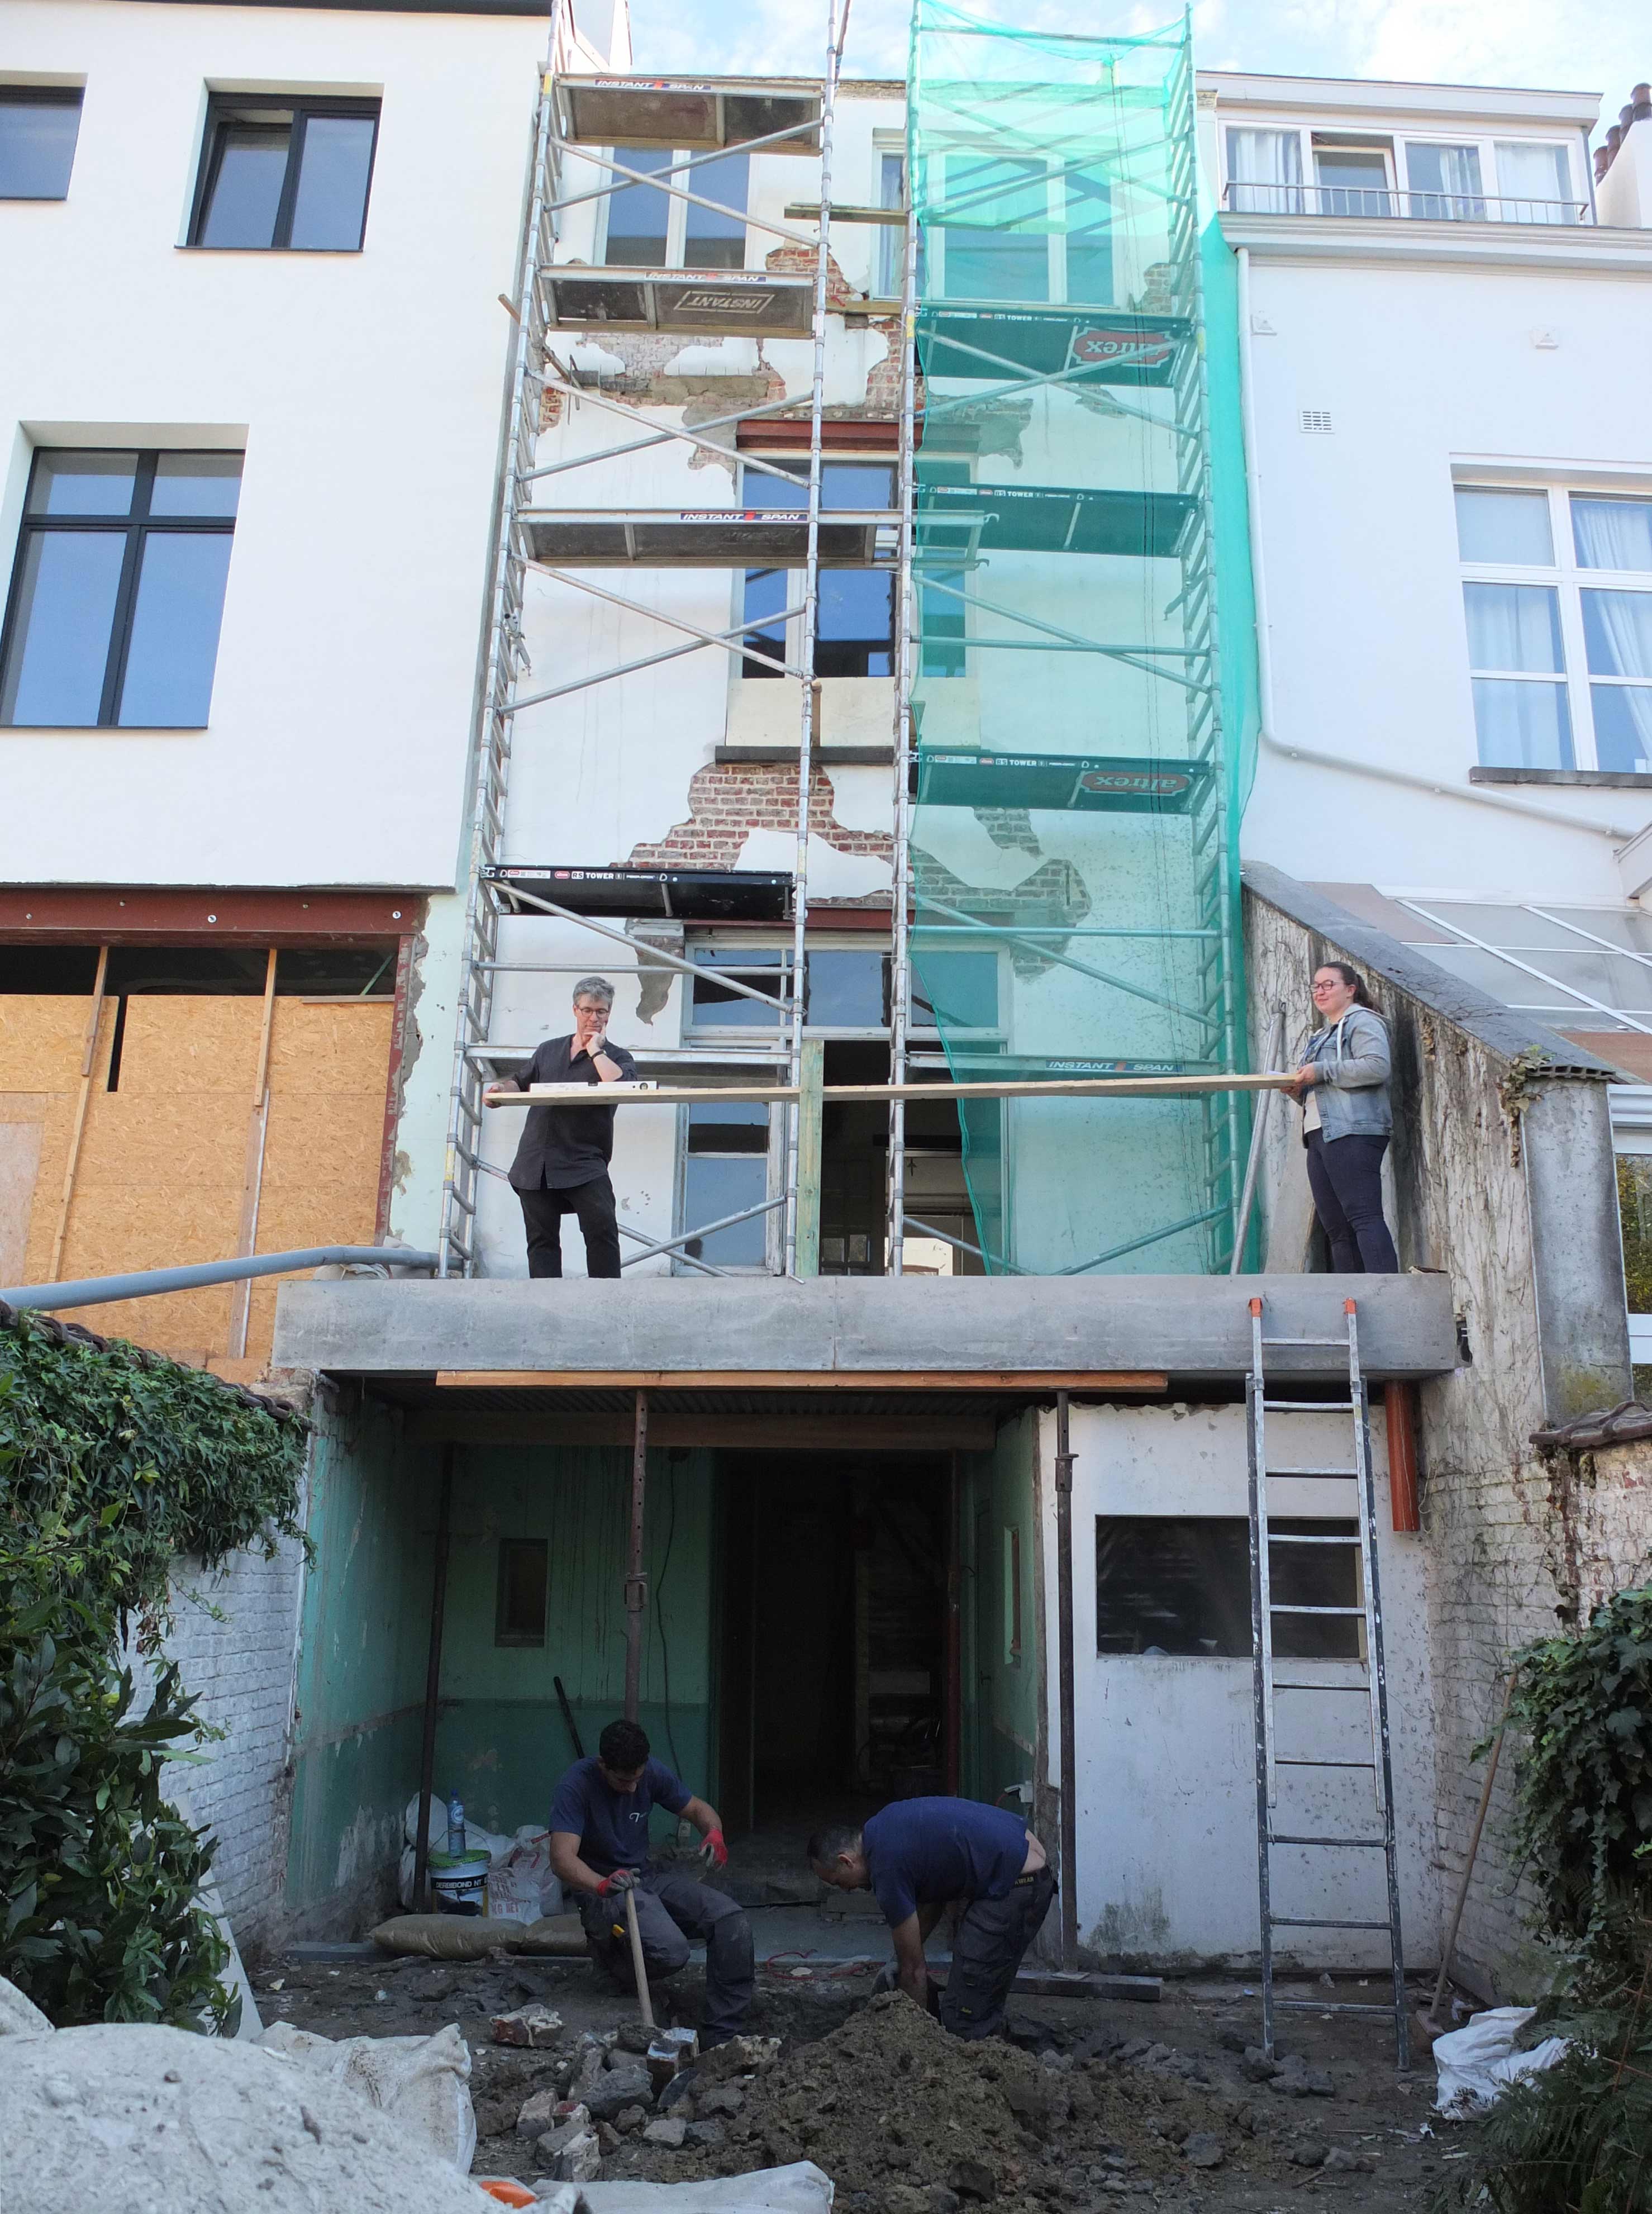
(1245, 199)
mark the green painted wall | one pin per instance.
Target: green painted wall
(362, 1657)
(501, 1739)
(1001, 1721)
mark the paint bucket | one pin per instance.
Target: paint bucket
(459, 1882)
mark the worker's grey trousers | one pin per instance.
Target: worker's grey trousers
(670, 1910)
(992, 1936)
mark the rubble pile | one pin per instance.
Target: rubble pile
(908, 2120)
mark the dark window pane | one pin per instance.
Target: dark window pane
(714, 1187)
(62, 971)
(858, 484)
(846, 989)
(713, 1001)
(220, 971)
(1179, 1584)
(349, 971)
(766, 596)
(66, 609)
(734, 1126)
(759, 489)
(331, 206)
(249, 166)
(997, 246)
(959, 989)
(855, 635)
(174, 635)
(1089, 239)
(520, 1612)
(196, 483)
(715, 242)
(1313, 1575)
(83, 484)
(637, 213)
(37, 143)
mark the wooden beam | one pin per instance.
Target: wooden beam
(810, 1433)
(800, 1379)
(87, 1057)
(644, 1092)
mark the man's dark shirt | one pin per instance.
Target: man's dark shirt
(924, 1852)
(563, 1147)
(612, 1826)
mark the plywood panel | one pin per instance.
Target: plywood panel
(22, 1123)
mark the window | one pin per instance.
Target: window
(1443, 180)
(1012, 1594)
(891, 194)
(1558, 596)
(845, 988)
(520, 1606)
(1534, 182)
(1265, 171)
(854, 616)
(39, 126)
(725, 1172)
(288, 174)
(648, 228)
(713, 1005)
(1180, 1585)
(1025, 229)
(1353, 179)
(1444, 183)
(117, 591)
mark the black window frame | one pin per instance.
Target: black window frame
(46, 95)
(226, 107)
(504, 1633)
(138, 524)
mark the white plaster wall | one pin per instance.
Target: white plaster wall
(1167, 1798)
(1421, 367)
(370, 389)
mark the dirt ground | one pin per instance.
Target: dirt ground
(1087, 2105)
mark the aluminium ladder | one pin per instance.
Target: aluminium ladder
(1373, 1685)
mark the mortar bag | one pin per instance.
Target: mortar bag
(1478, 2062)
(445, 1937)
(522, 1888)
(421, 2083)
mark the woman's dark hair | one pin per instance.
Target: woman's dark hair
(1351, 977)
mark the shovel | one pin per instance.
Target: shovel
(636, 1959)
(1428, 2025)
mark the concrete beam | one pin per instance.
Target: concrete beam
(1023, 1330)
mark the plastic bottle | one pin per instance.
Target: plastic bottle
(455, 1824)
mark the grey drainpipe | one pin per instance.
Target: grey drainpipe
(98, 1291)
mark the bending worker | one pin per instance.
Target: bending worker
(600, 1850)
(920, 1855)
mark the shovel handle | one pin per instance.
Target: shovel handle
(636, 1957)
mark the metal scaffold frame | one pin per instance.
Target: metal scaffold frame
(582, 116)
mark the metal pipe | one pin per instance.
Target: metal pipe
(578, 149)
(663, 431)
(145, 1283)
(656, 953)
(900, 962)
(954, 1730)
(659, 436)
(654, 615)
(636, 1579)
(432, 1685)
(1253, 1158)
(1065, 1458)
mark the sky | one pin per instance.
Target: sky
(1577, 46)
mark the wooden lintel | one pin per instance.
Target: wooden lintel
(822, 1432)
(802, 1379)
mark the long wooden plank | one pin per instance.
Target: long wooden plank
(791, 1433)
(802, 1379)
(1060, 1087)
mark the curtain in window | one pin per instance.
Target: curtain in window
(1444, 183)
(1612, 534)
(1265, 172)
(1534, 183)
(1617, 632)
(1512, 626)
(1520, 725)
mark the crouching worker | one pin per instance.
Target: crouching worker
(920, 1856)
(600, 1849)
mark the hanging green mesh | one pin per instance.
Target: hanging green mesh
(1074, 835)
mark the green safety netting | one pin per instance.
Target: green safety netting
(1082, 752)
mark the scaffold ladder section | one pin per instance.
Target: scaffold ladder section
(580, 121)
(1310, 1699)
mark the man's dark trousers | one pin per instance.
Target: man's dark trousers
(670, 1910)
(992, 1938)
(594, 1203)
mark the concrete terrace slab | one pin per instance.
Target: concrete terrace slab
(957, 1332)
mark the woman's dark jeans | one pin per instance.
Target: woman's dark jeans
(1345, 1177)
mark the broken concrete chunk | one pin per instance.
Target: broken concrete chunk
(533, 2024)
(971, 2179)
(670, 2132)
(724, 2099)
(1203, 2149)
(630, 2118)
(547, 2110)
(607, 2137)
(580, 2160)
(1340, 2162)
(616, 2088)
(707, 2135)
(1307, 2152)
(1257, 2068)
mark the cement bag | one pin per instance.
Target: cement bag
(420, 2084)
(1478, 2062)
(445, 1937)
(522, 1889)
(477, 1840)
(561, 1936)
(800, 2189)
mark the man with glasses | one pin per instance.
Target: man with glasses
(562, 1163)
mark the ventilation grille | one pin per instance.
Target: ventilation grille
(1315, 419)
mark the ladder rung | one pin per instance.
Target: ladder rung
(1302, 1921)
(1281, 1762)
(1363, 1686)
(1351, 1473)
(1282, 1839)
(1341, 1342)
(1338, 2006)
(1309, 1406)
(1276, 1606)
(1292, 1538)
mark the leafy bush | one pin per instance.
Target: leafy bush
(113, 1463)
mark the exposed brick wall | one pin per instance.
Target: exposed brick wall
(728, 800)
(241, 1669)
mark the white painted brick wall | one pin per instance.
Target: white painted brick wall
(241, 1668)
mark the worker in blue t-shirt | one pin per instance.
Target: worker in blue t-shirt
(600, 1850)
(920, 1856)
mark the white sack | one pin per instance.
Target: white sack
(799, 2188)
(422, 2083)
(1478, 2062)
(477, 1840)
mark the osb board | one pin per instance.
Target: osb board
(162, 1178)
(41, 1042)
(20, 1161)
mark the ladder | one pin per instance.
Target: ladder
(1372, 1683)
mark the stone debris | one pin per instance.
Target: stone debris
(707, 2135)
(1307, 2152)
(548, 2110)
(1203, 2149)
(535, 2025)
(669, 2132)
(616, 2088)
(580, 2161)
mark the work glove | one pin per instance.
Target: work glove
(885, 1979)
(713, 1851)
(621, 1880)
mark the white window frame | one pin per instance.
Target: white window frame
(676, 209)
(1631, 1133)
(935, 241)
(1569, 579)
(889, 246)
(1399, 140)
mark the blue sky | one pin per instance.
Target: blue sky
(1604, 47)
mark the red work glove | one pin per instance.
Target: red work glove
(621, 1880)
(713, 1851)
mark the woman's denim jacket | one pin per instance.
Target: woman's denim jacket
(1353, 1088)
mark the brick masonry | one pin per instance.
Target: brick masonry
(728, 800)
